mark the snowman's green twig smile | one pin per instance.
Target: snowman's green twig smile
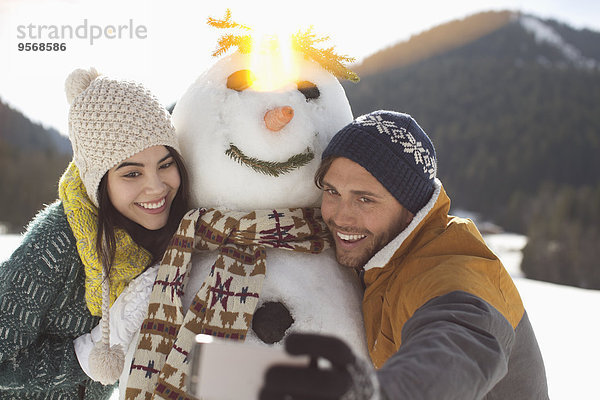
(271, 168)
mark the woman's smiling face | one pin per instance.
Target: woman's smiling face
(142, 187)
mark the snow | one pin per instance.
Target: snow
(544, 33)
(508, 247)
(7, 244)
(567, 327)
(564, 319)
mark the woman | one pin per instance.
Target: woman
(120, 201)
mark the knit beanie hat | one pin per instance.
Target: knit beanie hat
(395, 150)
(110, 121)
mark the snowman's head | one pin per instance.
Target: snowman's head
(251, 143)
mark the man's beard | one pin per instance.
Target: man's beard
(358, 259)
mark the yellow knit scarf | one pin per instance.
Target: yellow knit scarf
(130, 259)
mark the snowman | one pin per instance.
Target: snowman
(252, 129)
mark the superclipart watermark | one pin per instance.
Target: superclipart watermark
(33, 37)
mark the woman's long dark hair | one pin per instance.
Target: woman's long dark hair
(155, 241)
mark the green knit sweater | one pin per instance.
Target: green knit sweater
(42, 309)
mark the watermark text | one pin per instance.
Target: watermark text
(85, 30)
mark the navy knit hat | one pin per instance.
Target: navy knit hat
(395, 150)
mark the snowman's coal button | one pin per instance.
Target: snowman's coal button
(270, 322)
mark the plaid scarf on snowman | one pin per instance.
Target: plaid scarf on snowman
(225, 303)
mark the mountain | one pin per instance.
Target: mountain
(575, 46)
(508, 109)
(18, 131)
(511, 102)
(32, 158)
(438, 40)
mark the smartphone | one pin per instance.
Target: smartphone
(229, 370)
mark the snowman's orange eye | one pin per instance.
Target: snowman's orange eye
(241, 80)
(309, 90)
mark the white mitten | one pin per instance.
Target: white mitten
(126, 316)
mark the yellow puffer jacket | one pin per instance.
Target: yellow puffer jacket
(439, 285)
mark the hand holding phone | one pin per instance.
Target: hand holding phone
(335, 372)
(228, 370)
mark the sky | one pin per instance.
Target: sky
(166, 44)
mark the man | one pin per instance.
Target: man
(443, 318)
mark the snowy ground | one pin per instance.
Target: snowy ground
(566, 323)
(7, 244)
(565, 320)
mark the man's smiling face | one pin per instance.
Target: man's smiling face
(361, 214)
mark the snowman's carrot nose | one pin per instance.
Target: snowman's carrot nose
(279, 117)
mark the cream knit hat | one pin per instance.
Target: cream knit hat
(110, 121)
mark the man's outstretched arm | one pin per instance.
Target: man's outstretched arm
(456, 346)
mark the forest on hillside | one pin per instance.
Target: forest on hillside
(32, 159)
(517, 135)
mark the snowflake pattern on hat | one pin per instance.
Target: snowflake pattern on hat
(383, 126)
(397, 134)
